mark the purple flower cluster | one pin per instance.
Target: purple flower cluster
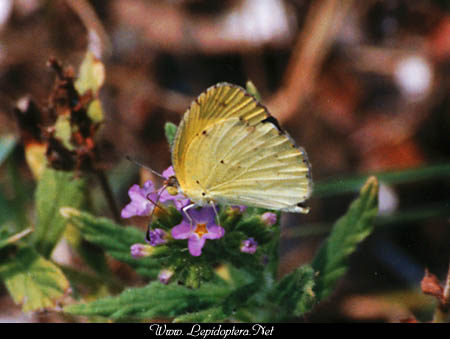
(197, 227)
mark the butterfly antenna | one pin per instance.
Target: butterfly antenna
(143, 166)
(155, 203)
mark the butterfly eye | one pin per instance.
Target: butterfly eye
(172, 190)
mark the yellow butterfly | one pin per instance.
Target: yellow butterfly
(229, 150)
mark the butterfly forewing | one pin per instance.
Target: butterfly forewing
(218, 103)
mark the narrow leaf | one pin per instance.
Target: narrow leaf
(333, 186)
(154, 300)
(330, 262)
(14, 238)
(251, 88)
(32, 281)
(170, 130)
(54, 190)
(116, 240)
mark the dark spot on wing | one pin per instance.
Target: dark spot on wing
(274, 122)
(222, 162)
(204, 132)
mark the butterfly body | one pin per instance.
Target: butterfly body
(229, 150)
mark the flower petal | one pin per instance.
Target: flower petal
(182, 231)
(214, 232)
(168, 172)
(195, 245)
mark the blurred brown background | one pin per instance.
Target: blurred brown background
(363, 86)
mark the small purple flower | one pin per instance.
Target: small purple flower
(249, 246)
(142, 200)
(141, 250)
(165, 275)
(157, 237)
(179, 200)
(204, 227)
(269, 218)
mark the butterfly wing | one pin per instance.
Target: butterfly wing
(218, 103)
(230, 150)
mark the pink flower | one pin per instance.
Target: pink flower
(203, 227)
(269, 218)
(141, 250)
(249, 246)
(142, 200)
(156, 237)
(165, 275)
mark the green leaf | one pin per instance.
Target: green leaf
(333, 186)
(13, 238)
(170, 130)
(294, 294)
(32, 280)
(210, 315)
(116, 240)
(7, 144)
(330, 262)
(54, 190)
(91, 77)
(251, 88)
(91, 74)
(154, 300)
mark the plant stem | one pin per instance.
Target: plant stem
(106, 188)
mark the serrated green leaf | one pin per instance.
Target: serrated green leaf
(210, 315)
(154, 300)
(54, 190)
(32, 281)
(294, 294)
(170, 130)
(330, 262)
(115, 239)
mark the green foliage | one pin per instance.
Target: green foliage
(154, 300)
(330, 262)
(210, 315)
(55, 190)
(7, 144)
(352, 184)
(31, 280)
(170, 130)
(91, 78)
(115, 239)
(294, 294)
(7, 239)
(251, 88)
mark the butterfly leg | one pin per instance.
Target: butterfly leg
(215, 211)
(185, 209)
